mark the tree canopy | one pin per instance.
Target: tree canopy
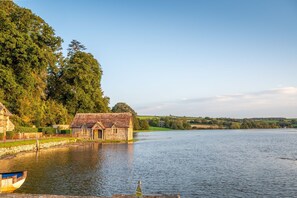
(122, 107)
(77, 85)
(37, 83)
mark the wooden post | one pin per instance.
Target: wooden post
(138, 190)
(37, 145)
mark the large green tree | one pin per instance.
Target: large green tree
(77, 85)
(29, 48)
(37, 83)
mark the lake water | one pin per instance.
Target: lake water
(206, 163)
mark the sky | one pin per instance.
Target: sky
(187, 57)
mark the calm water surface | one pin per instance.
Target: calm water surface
(216, 163)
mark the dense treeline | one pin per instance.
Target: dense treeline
(37, 83)
(181, 123)
(251, 123)
(170, 122)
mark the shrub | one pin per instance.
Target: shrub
(10, 134)
(20, 129)
(48, 130)
(1, 136)
(66, 131)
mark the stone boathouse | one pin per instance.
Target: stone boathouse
(5, 123)
(103, 126)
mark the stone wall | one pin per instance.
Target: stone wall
(82, 133)
(109, 134)
(116, 134)
(28, 135)
(31, 147)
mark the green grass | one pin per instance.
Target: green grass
(154, 129)
(30, 142)
(147, 117)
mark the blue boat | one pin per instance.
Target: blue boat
(9, 182)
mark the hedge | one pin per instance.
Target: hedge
(20, 129)
(68, 131)
(10, 134)
(48, 130)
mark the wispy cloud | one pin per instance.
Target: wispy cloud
(266, 103)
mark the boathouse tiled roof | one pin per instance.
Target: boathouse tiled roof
(119, 120)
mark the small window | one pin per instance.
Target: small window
(114, 130)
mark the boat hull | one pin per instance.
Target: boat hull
(9, 182)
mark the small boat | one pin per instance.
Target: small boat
(9, 182)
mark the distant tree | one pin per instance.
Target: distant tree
(122, 107)
(173, 125)
(74, 47)
(186, 126)
(144, 125)
(154, 122)
(235, 125)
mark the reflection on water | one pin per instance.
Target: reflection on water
(193, 163)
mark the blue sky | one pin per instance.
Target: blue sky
(188, 57)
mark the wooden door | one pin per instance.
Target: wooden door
(95, 135)
(100, 134)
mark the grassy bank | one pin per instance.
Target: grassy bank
(151, 129)
(32, 142)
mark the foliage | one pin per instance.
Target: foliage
(77, 85)
(65, 131)
(9, 135)
(180, 123)
(144, 125)
(122, 107)
(170, 122)
(155, 122)
(1, 136)
(20, 129)
(75, 46)
(37, 84)
(48, 130)
(55, 113)
(28, 48)
(235, 125)
(17, 121)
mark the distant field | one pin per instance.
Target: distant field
(147, 117)
(154, 129)
(204, 126)
(269, 121)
